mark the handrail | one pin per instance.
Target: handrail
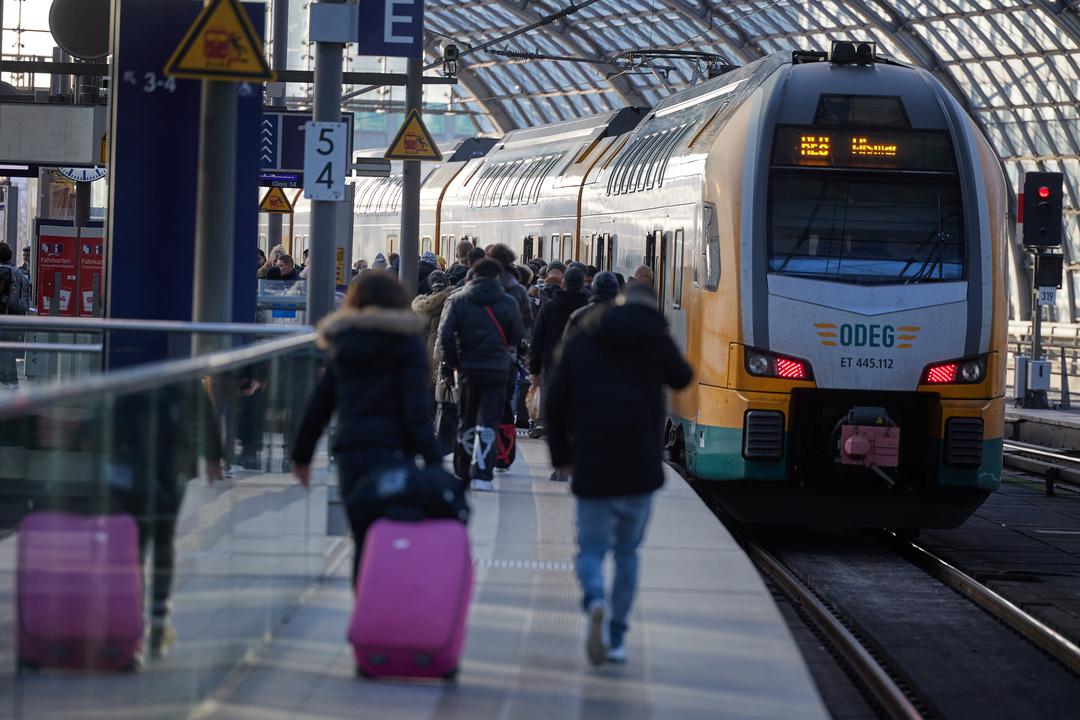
(146, 377)
(74, 348)
(63, 324)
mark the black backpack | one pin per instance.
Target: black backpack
(409, 493)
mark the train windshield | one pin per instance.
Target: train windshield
(865, 228)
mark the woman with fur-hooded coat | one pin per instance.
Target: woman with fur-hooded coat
(377, 367)
(429, 308)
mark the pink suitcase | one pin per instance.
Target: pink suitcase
(412, 599)
(79, 592)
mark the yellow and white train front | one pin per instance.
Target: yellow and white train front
(869, 355)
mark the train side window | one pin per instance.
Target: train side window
(677, 271)
(527, 250)
(567, 247)
(710, 249)
(661, 271)
(539, 246)
(601, 245)
(556, 248)
(610, 252)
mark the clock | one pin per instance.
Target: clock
(83, 174)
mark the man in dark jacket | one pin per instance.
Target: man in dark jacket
(604, 289)
(509, 278)
(480, 328)
(456, 272)
(552, 320)
(615, 458)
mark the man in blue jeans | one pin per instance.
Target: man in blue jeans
(622, 354)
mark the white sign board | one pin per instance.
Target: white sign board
(326, 158)
(1048, 296)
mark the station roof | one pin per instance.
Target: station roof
(1014, 64)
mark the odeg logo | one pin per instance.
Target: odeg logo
(870, 336)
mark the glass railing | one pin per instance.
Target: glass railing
(36, 350)
(120, 540)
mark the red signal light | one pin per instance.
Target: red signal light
(940, 374)
(1044, 193)
(790, 369)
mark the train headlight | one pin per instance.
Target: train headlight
(762, 363)
(968, 371)
(757, 363)
(972, 371)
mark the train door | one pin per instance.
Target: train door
(556, 249)
(610, 253)
(601, 248)
(527, 249)
(661, 273)
(539, 246)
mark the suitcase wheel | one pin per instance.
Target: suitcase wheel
(451, 676)
(362, 673)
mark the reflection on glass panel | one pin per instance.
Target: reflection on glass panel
(153, 536)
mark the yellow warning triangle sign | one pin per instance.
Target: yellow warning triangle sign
(221, 45)
(413, 141)
(275, 201)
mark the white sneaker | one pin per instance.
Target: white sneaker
(595, 647)
(482, 485)
(617, 654)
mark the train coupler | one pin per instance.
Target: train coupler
(868, 437)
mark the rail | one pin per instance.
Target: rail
(147, 377)
(78, 325)
(1034, 630)
(870, 672)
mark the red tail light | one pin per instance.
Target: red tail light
(791, 369)
(766, 364)
(940, 374)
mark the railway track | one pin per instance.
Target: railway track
(900, 619)
(1023, 623)
(871, 671)
(1056, 467)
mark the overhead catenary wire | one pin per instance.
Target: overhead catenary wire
(546, 20)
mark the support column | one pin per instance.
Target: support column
(215, 211)
(279, 61)
(410, 190)
(320, 279)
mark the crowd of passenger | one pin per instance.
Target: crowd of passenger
(574, 354)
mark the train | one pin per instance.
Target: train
(827, 232)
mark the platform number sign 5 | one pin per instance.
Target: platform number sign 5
(326, 156)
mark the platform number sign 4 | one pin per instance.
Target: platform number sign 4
(326, 156)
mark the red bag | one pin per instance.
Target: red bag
(79, 592)
(506, 445)
(412, 599)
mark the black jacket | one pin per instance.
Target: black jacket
(467, 335)
(425, 269)
(518, 293)
(456, 274)
(377, 380)
(548, 330)
(604, 403)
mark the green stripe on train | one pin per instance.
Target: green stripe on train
(715, 453)
(986, 477)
